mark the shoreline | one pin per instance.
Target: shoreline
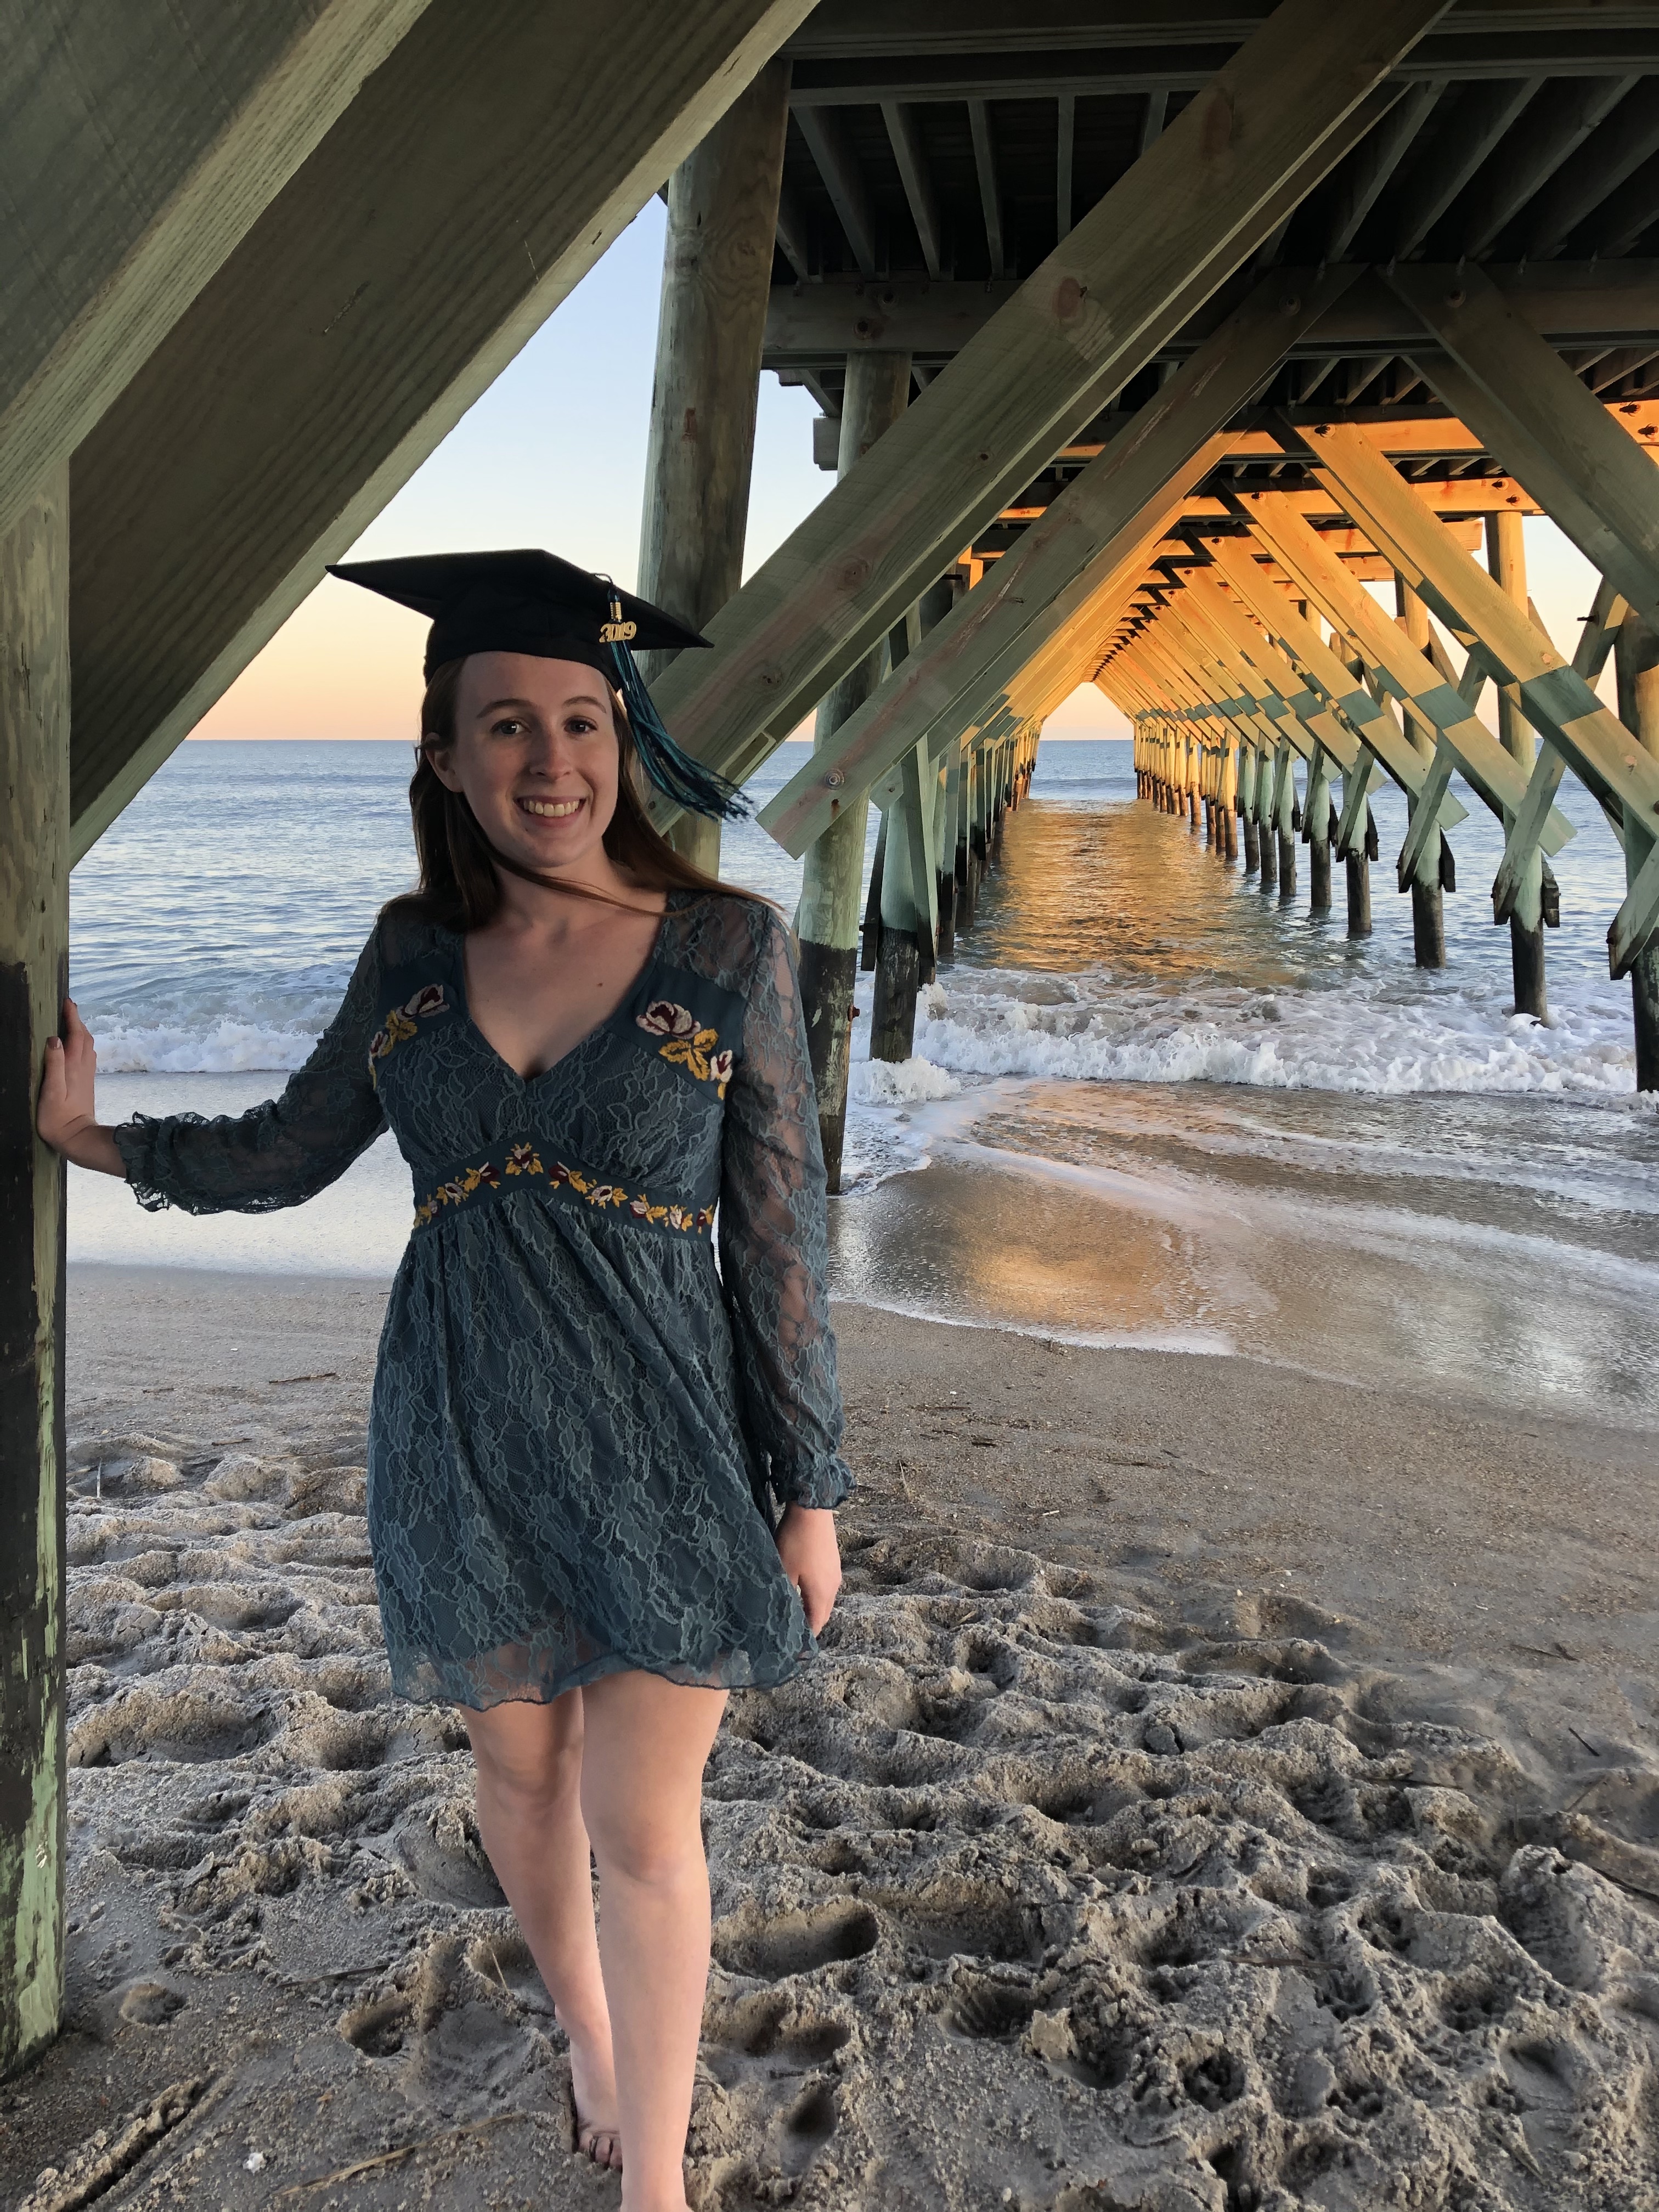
(1212, 1775)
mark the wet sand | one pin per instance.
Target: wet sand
(1221, 1787)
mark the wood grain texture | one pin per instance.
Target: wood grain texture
(429, 235)
(1062, 558)
(35, 702)
(1516, 392)
(1174, 227)
(137, 145)
(716, 280)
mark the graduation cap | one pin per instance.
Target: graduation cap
(531, 602)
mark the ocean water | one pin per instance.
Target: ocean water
(1149, 1104)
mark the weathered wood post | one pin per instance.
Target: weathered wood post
(716, 280)
(1506, 557)
(1230, 801)
(34, 714)
(949, 820)
(1265, 779)
(1428, 902)
(826, 920)
(906, 959)
(1285, 816)
(1249, 761)
(1636, 661)
(1317, 827)
(969, 861)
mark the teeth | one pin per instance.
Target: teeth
(554, 809)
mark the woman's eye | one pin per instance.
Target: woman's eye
(508, 726)
(580, 726)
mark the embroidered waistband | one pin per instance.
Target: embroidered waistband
(493, 1173)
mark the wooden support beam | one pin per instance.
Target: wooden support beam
(1570, 451)
(1411, 678)
(352, 328)
(1373, 722)
(1558, 123)
(1104, 518)
(1469, 130)
(1065, 148)
(34, 865)
(827, 920)
(825, 133)
(1629, 138)
(1294, 98)
(990, 184)
(916, 175)
(139, 145)
(1638, 710)
(1358, 183)
(1559, 704)
(716, 276)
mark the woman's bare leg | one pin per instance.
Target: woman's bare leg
(646, 1744)
(529, 1759)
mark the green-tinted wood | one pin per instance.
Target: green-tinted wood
(399, 270)
(34, 735)
(1181, 219)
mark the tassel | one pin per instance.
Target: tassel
(700, 790)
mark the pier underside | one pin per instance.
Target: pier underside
(1145, 336)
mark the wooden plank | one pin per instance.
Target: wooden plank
(35, 738)
(1571, 452)
(372, 303)
(138, 146)
(1105, 516)
(1373, 723)
(1559, 702)
(1186, 215)
(1487, 765)
(916, 175)
(1228, 617)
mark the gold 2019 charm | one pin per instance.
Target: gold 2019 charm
(618, 632)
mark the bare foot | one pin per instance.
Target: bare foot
(593, 2093)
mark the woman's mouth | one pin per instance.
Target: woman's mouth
(550, 810)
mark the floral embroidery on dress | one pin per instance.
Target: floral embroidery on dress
(401, 1023)
(688, 1046)
(525, 1160)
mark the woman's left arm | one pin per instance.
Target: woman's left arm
(774, 1255)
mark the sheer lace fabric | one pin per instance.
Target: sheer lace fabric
(581, 1427)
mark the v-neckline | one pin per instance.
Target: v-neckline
(653, 960)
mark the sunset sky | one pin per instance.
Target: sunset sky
(553, 455)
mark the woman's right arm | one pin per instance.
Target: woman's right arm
(277, 1154)
(66, 1116)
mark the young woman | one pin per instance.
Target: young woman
(600, 1467)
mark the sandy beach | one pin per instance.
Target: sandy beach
(1220, 1788)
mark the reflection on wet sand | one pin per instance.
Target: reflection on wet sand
(1504, 1250)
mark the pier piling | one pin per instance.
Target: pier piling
(34, 865)
(826, 920)
(711, 326)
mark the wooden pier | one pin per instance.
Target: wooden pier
(1144, 335)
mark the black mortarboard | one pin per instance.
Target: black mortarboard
(531, 602)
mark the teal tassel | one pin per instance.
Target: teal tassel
(700, 790)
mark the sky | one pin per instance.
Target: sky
(553, 454)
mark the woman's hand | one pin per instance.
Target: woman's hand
(64, 1114)
(811, 1558)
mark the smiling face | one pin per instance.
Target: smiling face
(535, 755)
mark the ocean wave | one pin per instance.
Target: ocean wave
(224, 1047)
(1284, 1040)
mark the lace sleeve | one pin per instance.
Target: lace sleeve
(278, 1154)
(773, 1243)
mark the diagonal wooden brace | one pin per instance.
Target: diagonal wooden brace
(1357, 784)
(1637, 921)
(1422, 837)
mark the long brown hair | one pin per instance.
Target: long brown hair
(460, 883)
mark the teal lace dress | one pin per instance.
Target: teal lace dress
(582, 1423)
